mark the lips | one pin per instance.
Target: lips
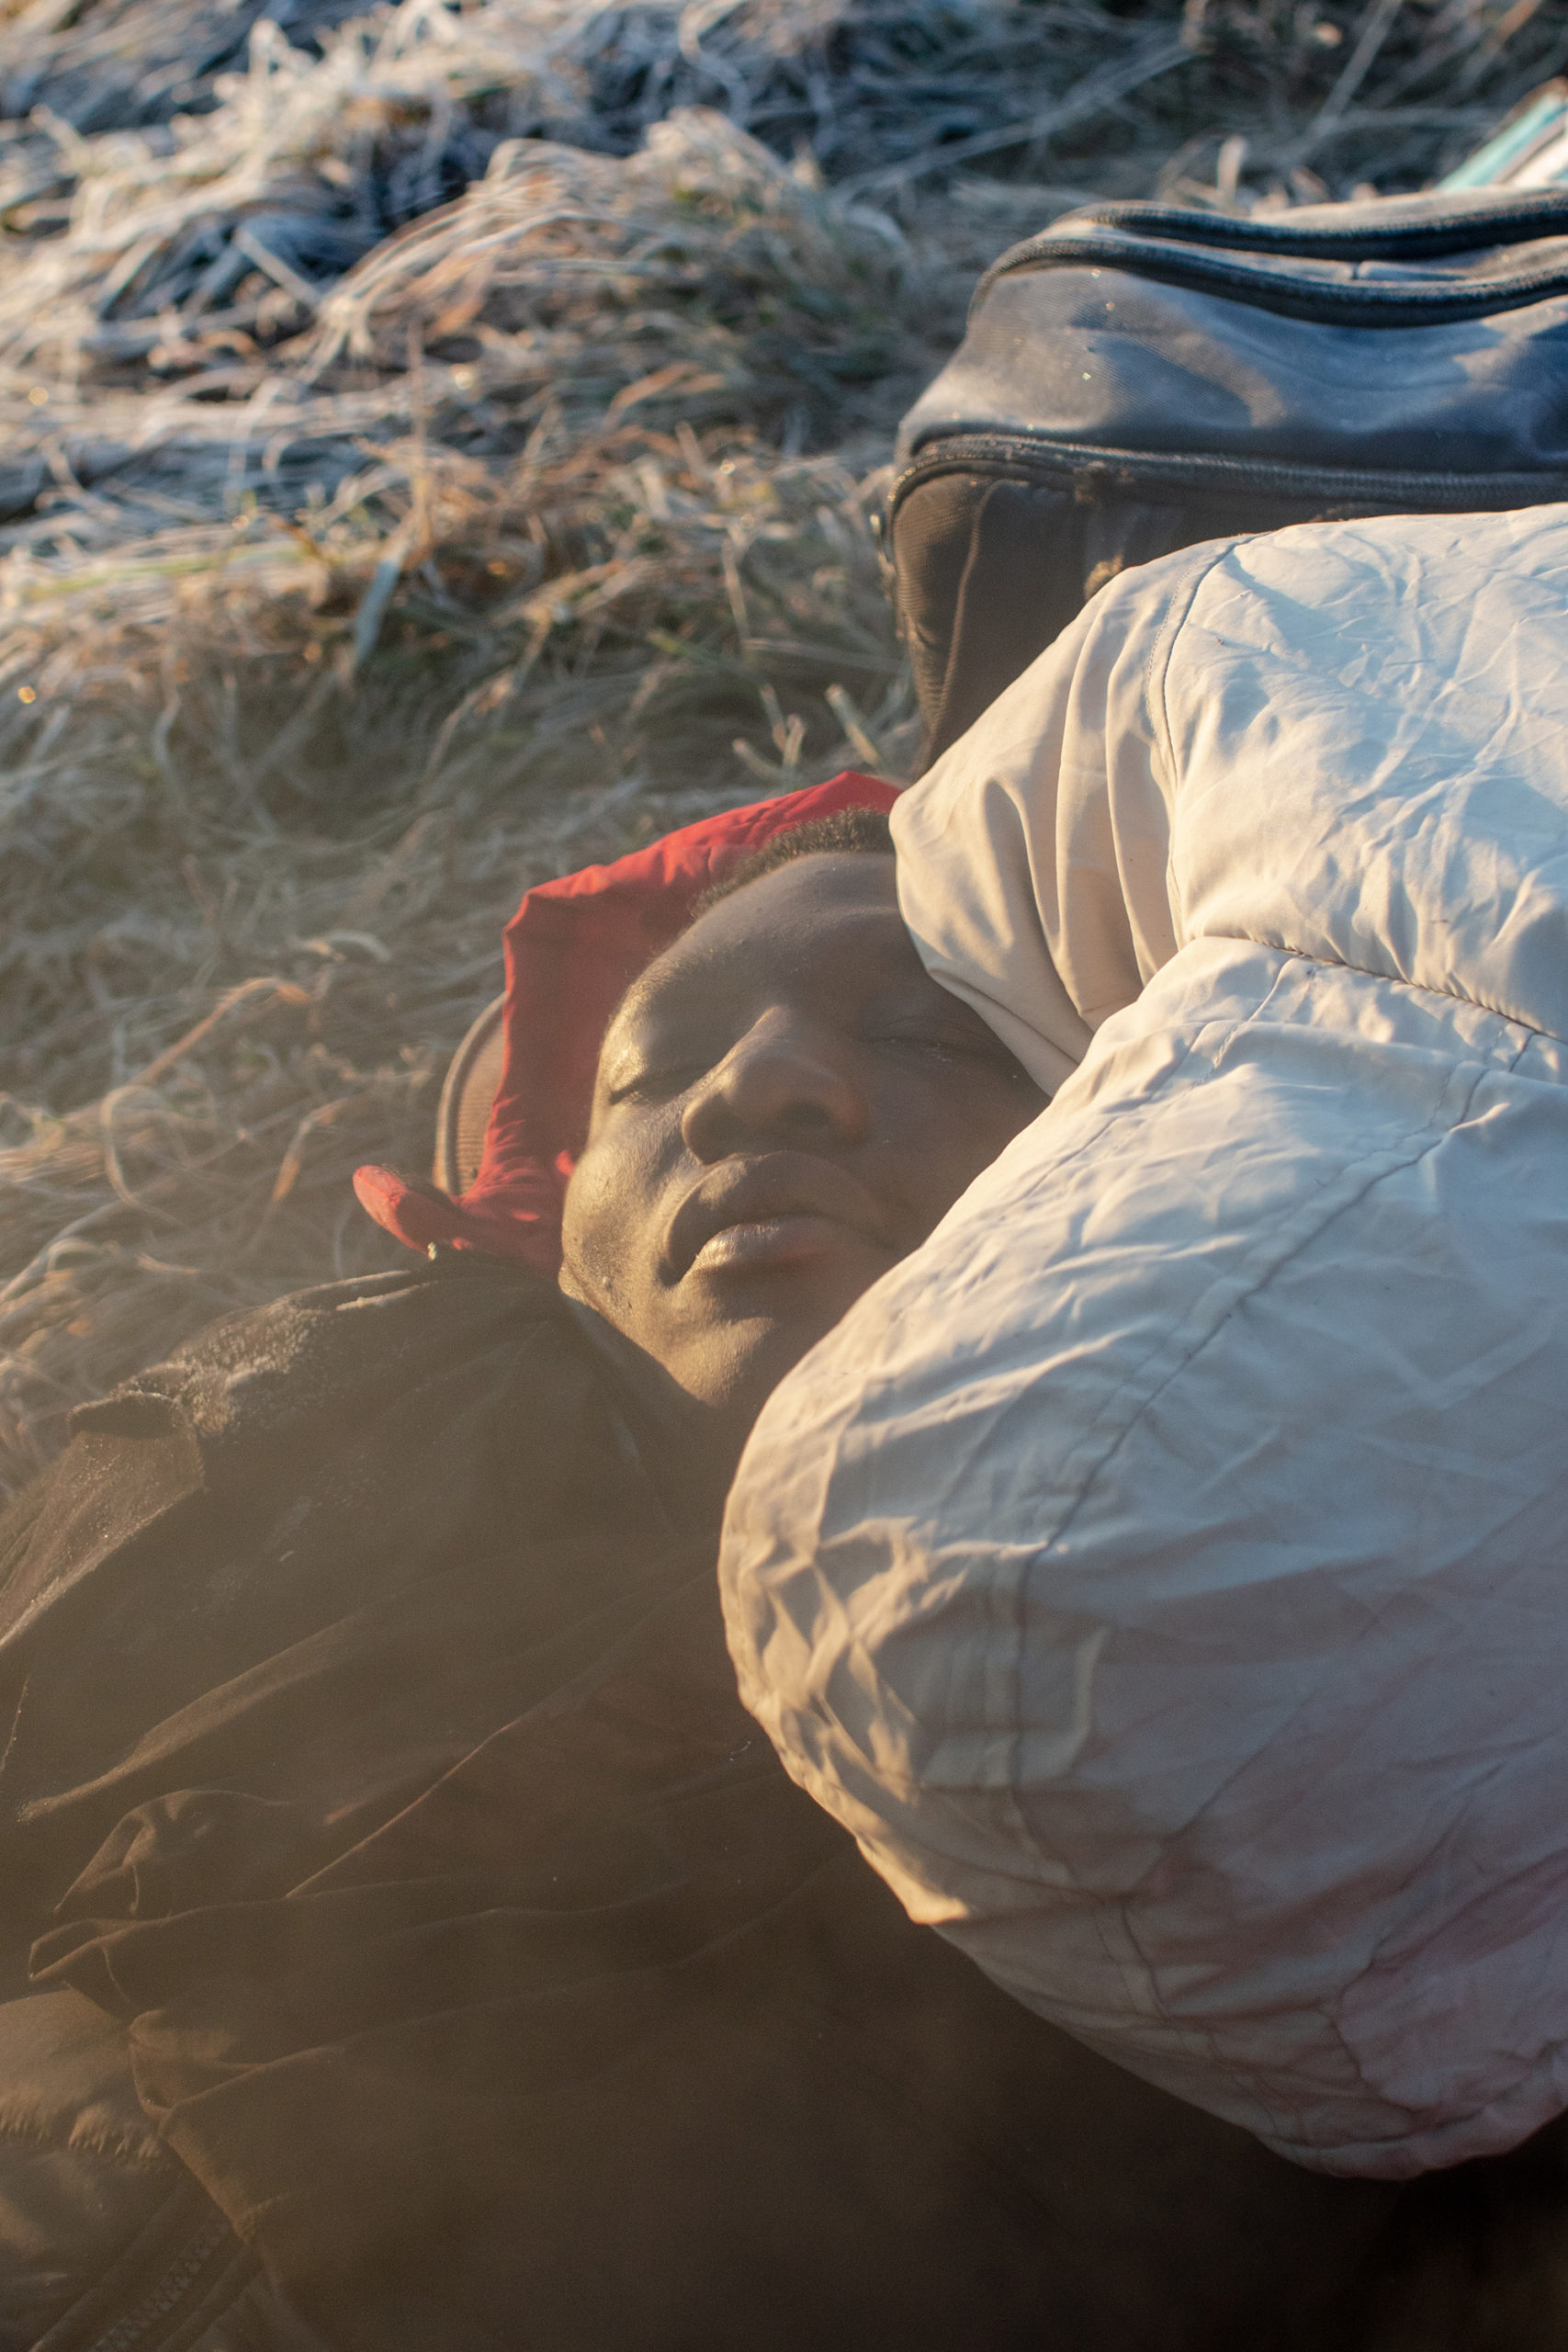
(773, 1210)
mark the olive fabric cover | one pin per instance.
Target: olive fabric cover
(1164, 1572)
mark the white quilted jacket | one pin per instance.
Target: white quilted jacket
(1164, 1572)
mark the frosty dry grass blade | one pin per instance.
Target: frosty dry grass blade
(697, 278)
(134, 62)
(234, 218)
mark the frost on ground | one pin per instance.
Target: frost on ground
(441, 446)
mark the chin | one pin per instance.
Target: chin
(808, 1298)
(765, 1344)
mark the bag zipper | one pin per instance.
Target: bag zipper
(1185, 249)
(1078, 463)
(1450, 230)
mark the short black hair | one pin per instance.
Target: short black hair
(862, 831)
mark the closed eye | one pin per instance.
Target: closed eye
(661, 1084)
(954, 1045)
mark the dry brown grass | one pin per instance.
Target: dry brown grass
(335, 609)
(323, 854)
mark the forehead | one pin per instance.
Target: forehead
(828, 920)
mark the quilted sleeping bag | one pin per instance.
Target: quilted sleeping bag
(1164, 1572)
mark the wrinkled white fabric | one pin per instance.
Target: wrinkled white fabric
(1164, 1572)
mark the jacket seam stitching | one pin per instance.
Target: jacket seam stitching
(1156, 699)
(35, 2135)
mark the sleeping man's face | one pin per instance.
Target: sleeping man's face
(786, 1104)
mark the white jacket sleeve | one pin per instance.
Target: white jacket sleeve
(1164, 1572)
(1033, 860)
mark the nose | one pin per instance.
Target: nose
(784, 1083)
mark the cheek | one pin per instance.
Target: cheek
(593, 1224)
(610, 1228)
(1003, 1111)
(960, 1130)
